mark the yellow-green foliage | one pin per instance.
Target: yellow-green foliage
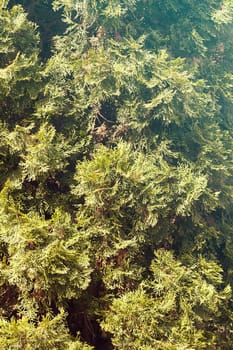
(49, 333)
(20, 79)
(48, 259)
(172, 310)
(116, 142)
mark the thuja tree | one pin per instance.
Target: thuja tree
(177, 307)
(116, 174)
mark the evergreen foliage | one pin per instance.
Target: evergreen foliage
(49, 333)
(116, 174)
(174, 309)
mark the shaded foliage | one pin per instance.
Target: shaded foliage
(116, 174)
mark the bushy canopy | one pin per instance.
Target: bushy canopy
(116, 174)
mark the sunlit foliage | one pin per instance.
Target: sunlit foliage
(116, 174)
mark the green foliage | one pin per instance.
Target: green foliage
(115, 142)
(20, 79)
(140, 86)
(45, 153)
(225, 13)
(49, 333)
(48, 259)
(127, 194)
(172, 310)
